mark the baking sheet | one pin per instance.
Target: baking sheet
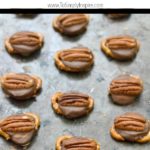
(95, 82)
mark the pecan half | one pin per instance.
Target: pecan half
(132, 126)
(72, 104)
(24, 43)
(76, 143)
(75, 59)
(71, 24)
(20, 86)
(118, 16)
(20, 128)
(27, 15)
(125, 88)
(120, 47)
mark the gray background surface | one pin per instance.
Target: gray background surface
(95, 82)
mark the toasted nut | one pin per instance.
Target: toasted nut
(72, 104)
(118, 16)
(27, 15)
(20, 86)
(74, 59)
(74, 142)
(132, 127)
(24, 43)
(120, 47)
(71, 24)
(125, 88)
(20, 128)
